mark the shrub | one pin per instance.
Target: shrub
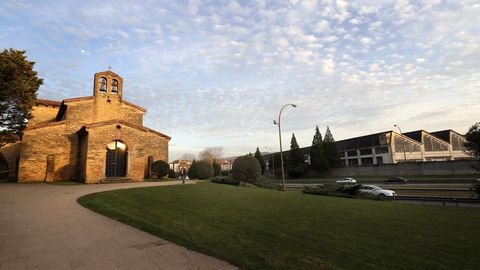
(171, 174)
(160, 168)
(265, 182)
(204, 170)
(246, 169)
(336, 190)
(476, 189)
(349, 189)
(225, 173)
(216, 168)
(193, 171)
(228, 180)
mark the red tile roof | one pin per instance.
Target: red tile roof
(47, 102)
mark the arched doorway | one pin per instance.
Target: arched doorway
(116, 159)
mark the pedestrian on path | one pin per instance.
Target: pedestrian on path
(183, 174)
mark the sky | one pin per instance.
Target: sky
(217, 73)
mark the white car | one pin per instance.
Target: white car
(346, 180)
(376, 190)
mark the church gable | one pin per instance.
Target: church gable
(98, 109)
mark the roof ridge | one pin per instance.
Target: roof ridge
(123, 122)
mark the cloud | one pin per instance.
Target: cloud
(190, 61)
(322, 26)
(366, 41)
(328, 66)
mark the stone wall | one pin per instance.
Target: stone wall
(43, 113)
(37, 144)
(140, 145)
(412, 168)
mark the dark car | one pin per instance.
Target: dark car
(396, 179)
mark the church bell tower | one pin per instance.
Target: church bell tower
(108, 84)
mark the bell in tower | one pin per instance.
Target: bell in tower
(108, 84)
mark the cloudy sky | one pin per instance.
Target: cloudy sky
(216, 73)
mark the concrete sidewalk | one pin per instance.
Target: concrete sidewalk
(43, 227)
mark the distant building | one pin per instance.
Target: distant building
(392, 147)
(225, 164)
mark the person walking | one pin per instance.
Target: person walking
(183, 174)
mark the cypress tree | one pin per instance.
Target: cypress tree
(295, 157)
(318, 158)
(193, 171)
(330, 147)
(259, 157)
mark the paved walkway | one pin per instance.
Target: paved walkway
(43, 227)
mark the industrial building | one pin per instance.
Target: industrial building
(391, 147)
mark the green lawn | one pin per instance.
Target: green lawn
(264, 229)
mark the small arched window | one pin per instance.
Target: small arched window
(103, 84)
(114, 86)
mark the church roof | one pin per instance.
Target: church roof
(122, 122)
(45, 124)
(47, 102)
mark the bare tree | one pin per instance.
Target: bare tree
(211, 154)
(187, 156)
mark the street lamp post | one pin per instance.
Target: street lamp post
(404, 153)
(280, 139)
(273, 162)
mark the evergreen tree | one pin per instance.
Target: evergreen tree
(330, 147)
(259, 157)
(473, 141)
(318, 158)
(18, 89)
(295, 157)
(193, 171)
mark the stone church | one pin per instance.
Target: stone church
(92, 139)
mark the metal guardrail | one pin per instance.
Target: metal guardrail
(459, 180)
(442, 200)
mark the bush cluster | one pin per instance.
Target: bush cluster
(265, 182)
(476, 189)
(229, 180)
(336, 190)
(246, 169)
